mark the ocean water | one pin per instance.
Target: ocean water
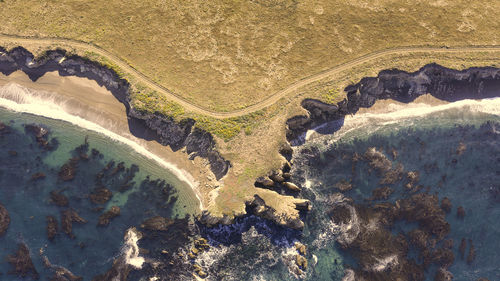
(143, 188)
(426, 139)
(455, 149)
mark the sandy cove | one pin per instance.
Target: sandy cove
(86, 99)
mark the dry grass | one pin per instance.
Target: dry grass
(228, 54)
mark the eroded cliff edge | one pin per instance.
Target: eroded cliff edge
(164, 129)
(441, 82)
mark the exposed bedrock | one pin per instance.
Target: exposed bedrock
(441, 82)
(142, 124)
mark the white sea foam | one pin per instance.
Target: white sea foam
(385, 263)
(131, 249)
(21, 99)
(399, 112)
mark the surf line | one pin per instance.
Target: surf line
(17, 98)
(399, 112)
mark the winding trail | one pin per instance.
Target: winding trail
(83, 46)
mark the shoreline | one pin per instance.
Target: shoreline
(88, 101)
(391, 111)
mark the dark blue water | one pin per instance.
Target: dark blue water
(139, 193)
(457, 155)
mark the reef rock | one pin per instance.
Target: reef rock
(4, 220)
(68, 170)
(51, 227)
(100, 195)
(59, 199)
(472, 253)
(460, 212)
(343, 185)
(424, 209)
(105, 218)
(461, 248)
(37, 176)
(157, 223)
(40, 134)
(67, 218)
(381, 193)
(446, 204)
(22, 263)
(443, 275)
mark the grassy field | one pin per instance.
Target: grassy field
(228, 54)
(225, 55)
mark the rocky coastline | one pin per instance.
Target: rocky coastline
(441, 82)
(165, 130)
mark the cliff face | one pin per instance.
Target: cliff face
(154, 126)
(441, 82)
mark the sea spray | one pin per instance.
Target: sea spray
(20, 99)
(131, 249)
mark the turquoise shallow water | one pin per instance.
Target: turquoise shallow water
(253, 249)
(151, 191)
(427, 144)
(426, 141)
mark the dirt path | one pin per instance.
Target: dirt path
(82, 46)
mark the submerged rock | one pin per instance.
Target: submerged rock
(460, 212)
(4, 220)
(100, 195)
(446, 204)
(343, 185)
(60, 273)
(68, 170)
(40, 134)
(37, 176)
(51, 227)
(424, 209)
(443, 275)
(67, 218)
(380, 163)
(105, 218)
(461, 248)
(461, 148)
(22, 263)
(157, 223)
(59, 199)
(381, 193)
(472, 253)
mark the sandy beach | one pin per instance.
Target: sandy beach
(86, 99)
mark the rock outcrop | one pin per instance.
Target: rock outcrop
(441, 82)
(143, 124)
